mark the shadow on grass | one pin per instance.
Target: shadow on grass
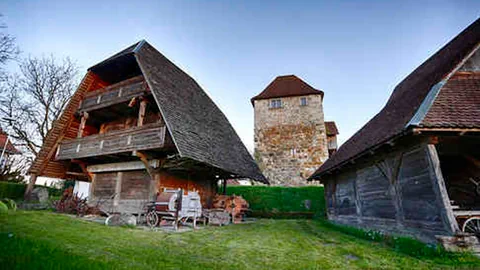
(403, 245)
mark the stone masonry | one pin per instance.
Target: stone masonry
(290, 139)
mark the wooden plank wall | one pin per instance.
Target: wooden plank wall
(203, 185)
(401, 193)
(129, 191)
(374, 193)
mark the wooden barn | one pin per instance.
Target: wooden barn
(137, 125)
(414, 168)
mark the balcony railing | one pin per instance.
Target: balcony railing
(114, 94)
(150, 136)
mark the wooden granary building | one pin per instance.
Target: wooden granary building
(414, 168)
(138, 124)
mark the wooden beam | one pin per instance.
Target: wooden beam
(473, 160)
(448, 218)
(122, 166)
(31, 184)
(83, 166)
(91, 189)
(83, 121)
(118, 190)
(145, 162)
(77, 174)
(141, 111)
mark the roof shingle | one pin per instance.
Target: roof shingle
(331, 128)
(406, 98)
(457, 105)
(286, 86)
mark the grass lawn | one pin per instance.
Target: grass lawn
(45, 240)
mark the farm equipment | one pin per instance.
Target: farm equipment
(174, 207)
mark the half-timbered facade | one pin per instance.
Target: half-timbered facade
(414, 168)
(137, 125)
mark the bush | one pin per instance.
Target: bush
(3, 208)
(13, 191)
(282, 202)
(10, 204)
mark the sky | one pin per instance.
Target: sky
(354, 51)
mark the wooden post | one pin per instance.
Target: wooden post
(90, 197)
(141, 112)
(82, 124)
(449, 220)
(31, 184)
(118, 189)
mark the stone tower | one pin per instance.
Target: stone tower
(290, 132)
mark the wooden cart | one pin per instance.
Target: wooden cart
(174, 207)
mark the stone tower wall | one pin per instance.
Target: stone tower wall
(290, 142)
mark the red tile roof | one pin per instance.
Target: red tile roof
(287, 86)
(10, 148)
(457, 105)
(331, 128)
(405, 100)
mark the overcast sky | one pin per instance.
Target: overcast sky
(355, 52)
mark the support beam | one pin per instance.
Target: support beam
(31, 184)
(224, 187)
(83, 121)
(118, 189)
(122, 166)
(83, 166)
(449, 220)
(144, 159)
(141, 111)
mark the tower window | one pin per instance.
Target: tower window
(276, 103)
(303, 101)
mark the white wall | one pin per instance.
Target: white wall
(81, 188)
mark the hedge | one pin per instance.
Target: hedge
(12, 191)
(282, 202)
(15, 191)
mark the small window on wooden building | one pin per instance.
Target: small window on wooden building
(275, 103)
(303, 101)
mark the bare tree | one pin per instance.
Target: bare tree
(33, 99)
(13, 168)
(8, 50)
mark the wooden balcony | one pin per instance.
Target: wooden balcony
(114, 94)
(150, 136)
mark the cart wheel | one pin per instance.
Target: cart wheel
(472, 225)
(152, 219)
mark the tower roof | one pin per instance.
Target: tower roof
(287, 86)
(331, 128)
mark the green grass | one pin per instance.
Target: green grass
(280, 201)
(45, 240)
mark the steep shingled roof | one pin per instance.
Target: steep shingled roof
(406, 99)
(199, 129)
(286, 86)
